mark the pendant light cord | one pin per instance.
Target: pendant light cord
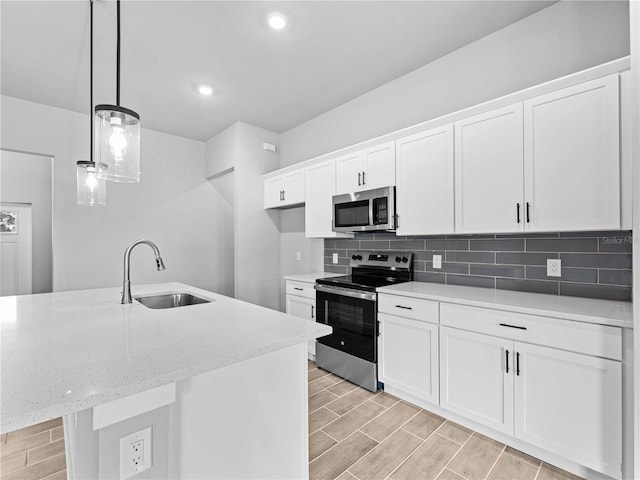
(118, 54)
(91, 80)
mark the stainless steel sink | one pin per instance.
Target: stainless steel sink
(171, 300)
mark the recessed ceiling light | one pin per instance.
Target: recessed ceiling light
(277, 20)
(205, 90)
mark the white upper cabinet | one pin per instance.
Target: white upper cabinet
(379, 166)
(488, 175)
(424, 175)
(348, 173)
(319, 190)
(284, 190)
(367, 169)
(572, 158)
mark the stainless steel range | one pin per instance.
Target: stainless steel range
(349, 305)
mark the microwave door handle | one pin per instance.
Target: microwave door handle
(371, 212)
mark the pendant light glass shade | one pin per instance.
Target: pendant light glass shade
(117, 143)
(92, 191)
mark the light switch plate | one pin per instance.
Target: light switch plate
(298, 256)
(437, 261)
(335, 258)
(554, 267)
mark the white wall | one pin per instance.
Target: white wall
(292, 241)
(221, 151)
(564, 38)
(173, 205)
(257, 231)
(27, 178)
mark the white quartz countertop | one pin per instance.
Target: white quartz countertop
(603, 312)
(310, 277)
(68, 351)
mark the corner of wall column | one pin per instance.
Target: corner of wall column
(634, 19)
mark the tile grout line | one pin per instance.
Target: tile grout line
(456, 454)
(539, 470)
(386, 409)
(452, 457)
(388, 436)
(522, 459)
(504, 447)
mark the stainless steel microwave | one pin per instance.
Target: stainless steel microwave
(365, 211)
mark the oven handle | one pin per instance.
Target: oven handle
(345, 292)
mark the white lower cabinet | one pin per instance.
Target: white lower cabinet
(570, 404)
(473, 377)
(301, 302)
(550, 383)
(564, 402)
(408, 356)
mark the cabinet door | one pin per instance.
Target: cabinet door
(303, 308)
(572, 157)
(293, 187)
(273, 188)
(570, 404)
(379, 166)
(318, 209)
(349, 173)
(408, 356)
(488, 175)
(424, 175)
(473, 377)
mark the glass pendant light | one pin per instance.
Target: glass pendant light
(117, 134)
(92, 191)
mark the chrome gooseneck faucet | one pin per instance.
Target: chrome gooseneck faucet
(126, 284)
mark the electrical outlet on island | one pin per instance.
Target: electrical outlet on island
(135, 453)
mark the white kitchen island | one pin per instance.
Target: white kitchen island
(222, 384)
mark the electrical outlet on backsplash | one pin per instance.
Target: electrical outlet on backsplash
(594, 264)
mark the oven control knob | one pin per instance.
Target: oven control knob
(398, 259)
(405, 259)
(359, 257)
(353, 257)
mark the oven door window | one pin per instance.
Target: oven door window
(352, 214)
(354, 323)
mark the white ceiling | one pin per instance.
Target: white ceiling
(331, 52)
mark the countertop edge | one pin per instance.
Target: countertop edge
(540, 311)
(49, 413)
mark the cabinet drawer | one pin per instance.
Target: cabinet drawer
(587, 338)
(423, 310)
(301, 289)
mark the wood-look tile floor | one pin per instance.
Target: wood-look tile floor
(355, 434)
(34, 453)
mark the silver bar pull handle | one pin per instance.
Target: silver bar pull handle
(406, 308)
(312, 312)
(363, 181)
(298, 288)
(359, 181)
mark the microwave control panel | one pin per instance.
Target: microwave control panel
(380, 211)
